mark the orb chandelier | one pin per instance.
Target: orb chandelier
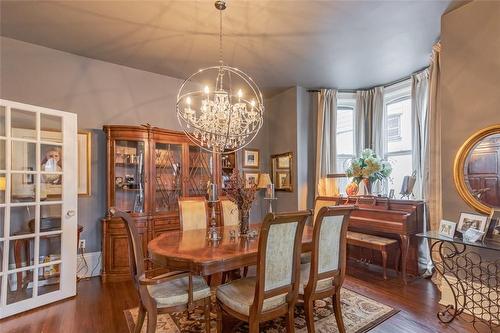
(220, 108)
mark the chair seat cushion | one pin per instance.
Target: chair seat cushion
(370, 238)
(175, 292)
(238, 295)
(305, 270)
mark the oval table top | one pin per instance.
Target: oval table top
(191, 250)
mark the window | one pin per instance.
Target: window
(345, 135)
(398, 133)
(394, 127)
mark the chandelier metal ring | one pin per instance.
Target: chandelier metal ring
(220, 118)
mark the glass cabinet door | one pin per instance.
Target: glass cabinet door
(129, 175)
(168, 176)
(200, 171)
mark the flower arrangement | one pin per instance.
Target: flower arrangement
(238, 192)
(369, 166)
(242, 195)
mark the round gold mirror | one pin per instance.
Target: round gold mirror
(477, 170)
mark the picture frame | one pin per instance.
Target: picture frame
(283, 179)
(469, 220)
(251, 176)
(447, 228)
(84, 163)
(493, 231)
(251, 158)
(283, 162)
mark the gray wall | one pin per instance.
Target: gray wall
(99, 93)
(282, 110)
(470, 85)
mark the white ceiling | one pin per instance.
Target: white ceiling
(343, 44)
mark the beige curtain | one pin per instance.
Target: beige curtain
(326, 141)
(369, 122)
(432, 189)
(420, 148)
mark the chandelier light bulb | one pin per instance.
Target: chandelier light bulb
(253, 103)
(188, 100)
(206, 90)
(240, 93)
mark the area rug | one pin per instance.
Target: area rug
(360, 314)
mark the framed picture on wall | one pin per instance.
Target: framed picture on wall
(251, 178)
(251, 158)
(84, 160)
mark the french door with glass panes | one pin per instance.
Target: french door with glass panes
(38, 206)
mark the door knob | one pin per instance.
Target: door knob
(70, 213)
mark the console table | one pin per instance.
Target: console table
(474, 282)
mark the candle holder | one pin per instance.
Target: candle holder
(213, 233)
(270, 196)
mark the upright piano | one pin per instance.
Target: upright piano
(390, 218)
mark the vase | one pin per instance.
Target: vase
(368, 186)
(244, 217)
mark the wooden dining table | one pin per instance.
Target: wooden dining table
(190, 250)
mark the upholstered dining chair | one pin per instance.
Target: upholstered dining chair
(273, 293)
(170, 292)
(229, 212)
(324, 275)
(319, 203)
(229, 217)
(193, 213)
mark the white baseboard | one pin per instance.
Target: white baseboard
(92, 267)
(447, 296)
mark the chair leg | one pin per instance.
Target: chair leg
(384, 263)
(309, 312)
(338, 311)
(245, 271)
(140, 319)
(207, 315)
(253, 327)
(151, 321)
(290, 322)
(218, 309)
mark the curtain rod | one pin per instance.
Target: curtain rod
(385, 85)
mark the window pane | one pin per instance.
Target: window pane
(398, 126)
(345, 137)
(401, 166)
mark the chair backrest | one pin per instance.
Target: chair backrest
(193, 213)
(134, 242)
(328, 255)
(321, 202)
(229, 214)
(280, 242)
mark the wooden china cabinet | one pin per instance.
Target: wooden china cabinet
(148, 169)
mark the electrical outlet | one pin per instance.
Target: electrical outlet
(81, 245)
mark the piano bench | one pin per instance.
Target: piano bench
(384, 245)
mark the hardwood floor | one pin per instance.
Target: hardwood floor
(99, 307)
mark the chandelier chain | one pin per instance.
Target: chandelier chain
(220, 37)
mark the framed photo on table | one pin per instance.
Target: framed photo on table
(447, 228)
(251, 158)
(475, 221)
